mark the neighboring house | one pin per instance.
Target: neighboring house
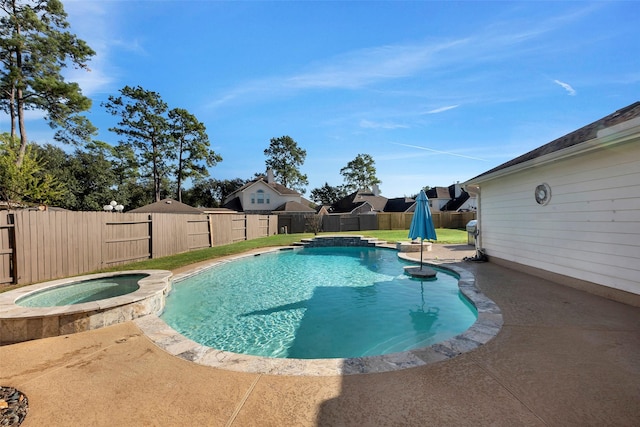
(453, 198)
(264, 196)
(167, 206)
(570, 210)
(360, 202)
(438, 197)
(400, 204)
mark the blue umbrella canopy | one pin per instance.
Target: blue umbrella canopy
(422, 223)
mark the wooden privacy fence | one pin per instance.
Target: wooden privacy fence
(402, 220)
(300, 223)
(37, 246)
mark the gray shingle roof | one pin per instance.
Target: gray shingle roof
(356, 199)
(167, 206)
(293, 207)
(579, 136)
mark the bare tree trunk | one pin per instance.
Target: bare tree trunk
(179, 172)
(23, 130)
(19, 100)
(12, 110)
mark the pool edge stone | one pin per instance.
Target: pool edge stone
(19, 323)
(486, 327)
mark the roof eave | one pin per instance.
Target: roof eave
(614, 135)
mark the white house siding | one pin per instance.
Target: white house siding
(590, 230)
(275, 199)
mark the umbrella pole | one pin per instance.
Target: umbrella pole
(421, 246)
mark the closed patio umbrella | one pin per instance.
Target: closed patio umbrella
(422, 223)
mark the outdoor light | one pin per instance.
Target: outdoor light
(113, 206)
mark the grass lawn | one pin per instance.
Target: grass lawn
(445, 236)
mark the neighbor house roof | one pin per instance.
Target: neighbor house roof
(399, 204)
(167, 206)
(455, 203)
(234, 204)
(293, 207)
(438, 193)
(232, 201)
(279, 188)
(356, 199)
(576, 137)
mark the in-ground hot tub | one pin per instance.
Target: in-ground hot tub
(82, 303)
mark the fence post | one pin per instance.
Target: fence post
(151, 239)
(10, 250)
(210, 220)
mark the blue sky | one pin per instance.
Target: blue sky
(435, 92)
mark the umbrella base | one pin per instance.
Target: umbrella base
(424, 273)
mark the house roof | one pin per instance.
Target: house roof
(233, 201)
(293, 207)
(438, 193)
(399, 204)
(354, 200)
(167, 206)
(576, 137)
(455, 203)
(279, 188)
(234, 204)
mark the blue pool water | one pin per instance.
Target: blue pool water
(317, 303)
(84, 291)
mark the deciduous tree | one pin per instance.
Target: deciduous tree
(211, 192)
(327, 194)
(28, 183)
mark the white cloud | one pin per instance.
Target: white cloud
(571, 91)
(448, 153)
(370, 68)
(366, 66)
(95, 22)
(381, 125)
(442, 109)
(352, 70)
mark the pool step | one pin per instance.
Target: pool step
(324, 241)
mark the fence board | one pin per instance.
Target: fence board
(127, 238)
(47, 245)
(7, 252)
(222, 232)
(198, 233)
(238, 227)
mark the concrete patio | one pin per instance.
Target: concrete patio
(563, 358)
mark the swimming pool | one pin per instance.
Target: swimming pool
(83, 291)
(337, 302)
(83, 303)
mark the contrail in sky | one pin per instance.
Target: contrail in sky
(570, 90)
(439, 152)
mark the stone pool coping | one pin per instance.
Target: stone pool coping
(486, 327)
(18, 323)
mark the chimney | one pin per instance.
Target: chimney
(458, 189)
(375, 190)
(270, 179)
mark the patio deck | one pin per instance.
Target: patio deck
(563, 357)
